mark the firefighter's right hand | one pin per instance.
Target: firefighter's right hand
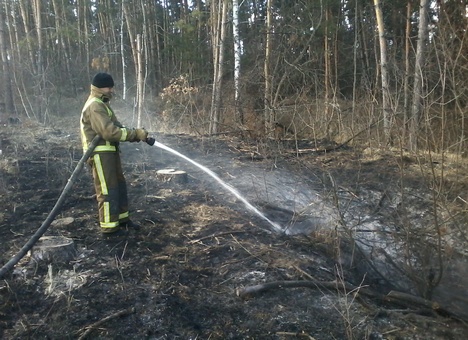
(141, 134)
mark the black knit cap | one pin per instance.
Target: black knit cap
(101, 80)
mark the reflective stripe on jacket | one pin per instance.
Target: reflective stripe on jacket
(98, 118)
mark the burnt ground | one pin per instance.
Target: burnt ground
(180, 276)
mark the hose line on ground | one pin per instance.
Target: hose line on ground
(54, 212)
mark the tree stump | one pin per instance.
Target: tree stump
(62, 222)
(172, 175)
(53, 249)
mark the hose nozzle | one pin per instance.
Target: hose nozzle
(150, 141)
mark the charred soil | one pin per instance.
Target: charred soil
(182, 276)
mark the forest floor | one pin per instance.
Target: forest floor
(183, 275)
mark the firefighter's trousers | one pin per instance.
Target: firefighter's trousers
(111, 190)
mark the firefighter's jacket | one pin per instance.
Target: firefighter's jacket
(98, 118)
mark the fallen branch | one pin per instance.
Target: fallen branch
(215, 235)
(251, 291)
(339, 146)
(90, 328)
(409, 301)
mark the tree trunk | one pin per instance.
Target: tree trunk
(122, 53)
(6, 99)
(219, 69)
(144, 55)
(62, 46)
(87, 38)
(39, 34)
(24, 15)
(355, 59)
(83, 35)
(165, 37)
(140, 79)
(406, 95)
(151, 28)
(237, 58)
(159, 62)
(131, 36)
(268, 96)
(215, 12)
(383, 70)
(418, 75)
(15, 54)
(327, 68)
(40, 88)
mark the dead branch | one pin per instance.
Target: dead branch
(333, 148)
(88, 329)
(215, 235)
(411, 301)
(307, 275)
(251, 291)
(403, 299)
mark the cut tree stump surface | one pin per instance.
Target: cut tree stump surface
(172, 175)
(54, 249)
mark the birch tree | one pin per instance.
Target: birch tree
(140, 79)
(122, 53)
(383, 69)
(237, 60)
(268, 94)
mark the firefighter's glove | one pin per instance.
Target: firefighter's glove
(141, 134)
(137, 135)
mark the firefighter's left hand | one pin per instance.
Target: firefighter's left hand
(141, 134)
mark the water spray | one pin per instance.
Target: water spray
(152, 141)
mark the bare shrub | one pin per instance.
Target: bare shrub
(180, 104)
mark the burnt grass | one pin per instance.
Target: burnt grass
(179, 277)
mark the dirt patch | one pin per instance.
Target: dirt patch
(179, 276)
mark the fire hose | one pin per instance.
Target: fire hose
(56, 209)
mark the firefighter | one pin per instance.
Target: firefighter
(97, 118)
